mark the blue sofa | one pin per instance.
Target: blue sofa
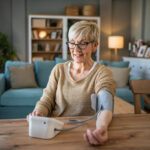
(17, 103)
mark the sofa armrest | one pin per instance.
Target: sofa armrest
(2, 83)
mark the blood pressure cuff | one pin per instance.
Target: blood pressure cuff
(102, 101)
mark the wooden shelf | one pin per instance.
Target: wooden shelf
(44, 52)
(46, 39)
(46, 28)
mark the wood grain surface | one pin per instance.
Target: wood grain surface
(126, 132)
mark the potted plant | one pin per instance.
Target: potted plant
(6, 51)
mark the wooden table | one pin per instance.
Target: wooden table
(127, 131)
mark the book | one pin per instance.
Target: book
(57, 47)
(59, 34)
(35, 34)
(37, 58)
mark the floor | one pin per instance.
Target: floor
(123, 107)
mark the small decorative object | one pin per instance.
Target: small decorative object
(147, 53)
(141, 51)
(47, 47)
(39, 47)
(34, 47)
(72, 10)
(42, 34)
(88, 10)
(134, 49)
(130, 48)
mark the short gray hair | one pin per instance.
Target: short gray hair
(84, 30)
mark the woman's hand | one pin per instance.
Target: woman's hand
(34, 113)
(97, 137)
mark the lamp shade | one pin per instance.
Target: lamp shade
(115, 42)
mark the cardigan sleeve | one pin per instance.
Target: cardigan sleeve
(105, 80)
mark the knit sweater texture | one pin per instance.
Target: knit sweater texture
(64, 96)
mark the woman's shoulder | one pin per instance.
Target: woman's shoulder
(102, 68)
(61, 66)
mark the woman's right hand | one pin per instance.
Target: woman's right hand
(34, 113)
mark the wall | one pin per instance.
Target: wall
(140, 20)
(6, 18)
(115, 19)
(136, 19)
(14, 18)
(147, 22)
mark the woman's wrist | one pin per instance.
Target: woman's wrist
(103, 119)
(101, 125)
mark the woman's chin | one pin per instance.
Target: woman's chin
(78, 60)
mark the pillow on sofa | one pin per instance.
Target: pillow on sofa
(22, 77)
(59, 60)
(121, 76)
(12, 63)
(118, 64)
(42, 71)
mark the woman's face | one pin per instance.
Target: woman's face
(81, 51)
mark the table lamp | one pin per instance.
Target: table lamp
(115, 42)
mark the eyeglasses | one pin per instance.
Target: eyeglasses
(81, 46)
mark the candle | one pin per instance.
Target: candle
(129, 46)
(134, 48)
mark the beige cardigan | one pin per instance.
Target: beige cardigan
(65, 97)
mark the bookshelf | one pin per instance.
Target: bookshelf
(47, 36)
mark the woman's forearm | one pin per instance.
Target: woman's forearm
(104, 118)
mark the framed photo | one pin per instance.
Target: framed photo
(142, 51)
(53, 35)
(147, 53)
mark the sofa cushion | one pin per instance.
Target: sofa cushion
(21, 97)
(15, 112)
(121, 76)
(118, 64)
(7, 74)
(22, 77)
(126, 94)
(59, 60)
(42, 71)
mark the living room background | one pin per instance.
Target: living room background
(128, 18)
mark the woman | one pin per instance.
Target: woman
(71, 84)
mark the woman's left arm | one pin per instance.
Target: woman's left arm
(100, 135)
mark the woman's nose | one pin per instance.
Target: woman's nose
(77, 48)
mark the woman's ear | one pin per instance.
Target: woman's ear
(95, 44)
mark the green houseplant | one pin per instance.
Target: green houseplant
(6, 51)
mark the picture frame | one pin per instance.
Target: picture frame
(147, 53)
(53, 35)
(141, 51)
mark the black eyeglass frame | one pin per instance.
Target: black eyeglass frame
(85, 43)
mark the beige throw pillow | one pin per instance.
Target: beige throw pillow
(121, 76)
(22, 77)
